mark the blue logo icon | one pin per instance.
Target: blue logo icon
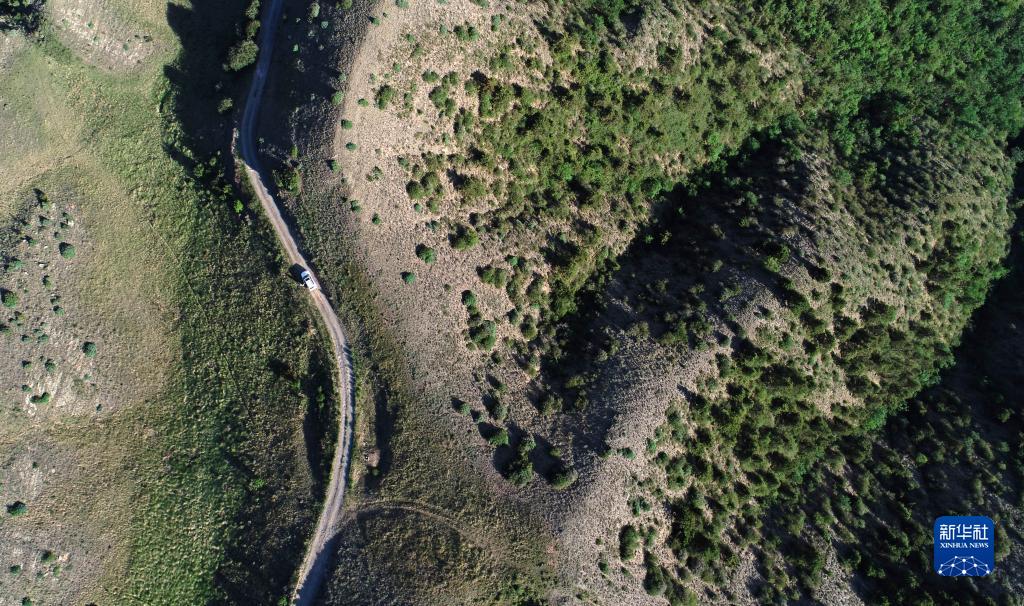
(964, 546)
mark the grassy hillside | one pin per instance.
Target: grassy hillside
(955, 448)
(166, 395)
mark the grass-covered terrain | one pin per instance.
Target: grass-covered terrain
(166, 396)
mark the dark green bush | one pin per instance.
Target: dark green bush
(425, 253)
(242, 55)
(385, 95)
(629, 542)
(464, 237)
(520, 470)
(564, 479)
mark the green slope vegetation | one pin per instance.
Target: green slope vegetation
(957, 447)
(865, 310)
(813, 196)
(591, 137)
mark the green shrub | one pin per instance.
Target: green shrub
(242, 55)
(425, 253)
(775, 256)
(350, 146)
(66, 250)
(385, 95)
(415, 190)
(484, 334)
(629, 542)
(17, 508)
(473, 189)
(346, 124)
(466, 33)
(496, 277)
(529, 328)
(8, 298)
(655, 579)
(408, 277)
(290, 179)
(520, 470)
(428, 185)
(43, 398)
(337, 97)
(550, 405)
(464, 237)
(89, 349)
(499, 411)
(564, 479)
(499, 438)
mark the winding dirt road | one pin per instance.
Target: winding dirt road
(314, 564)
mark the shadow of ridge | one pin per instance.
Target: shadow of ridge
(971, 400)
(318, 428)
(198, 82)
(696, 244)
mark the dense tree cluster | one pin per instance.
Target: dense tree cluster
(20, 14)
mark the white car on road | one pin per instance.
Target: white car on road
(307, 280)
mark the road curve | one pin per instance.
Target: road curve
(314, 563)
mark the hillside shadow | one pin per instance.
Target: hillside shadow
(385, 417)
(267, 542)
(949, 453)
(198, 82)
(698, 261)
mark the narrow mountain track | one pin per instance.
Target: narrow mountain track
(314, 564)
